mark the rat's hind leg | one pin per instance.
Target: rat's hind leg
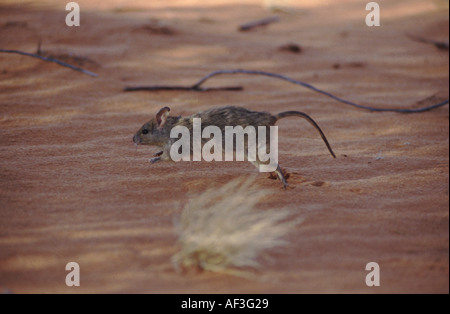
(279, 173)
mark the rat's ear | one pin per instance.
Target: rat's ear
(161, 116)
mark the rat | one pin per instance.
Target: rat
(156, 132)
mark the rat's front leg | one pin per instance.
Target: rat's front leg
(157, 157)
(163, 155)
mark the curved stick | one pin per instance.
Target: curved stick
(309, 86)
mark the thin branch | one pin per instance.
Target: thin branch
(185, 88)
(309, 86)
(48, 59)
(197, 87)
(258, 23)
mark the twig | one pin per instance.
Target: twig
(185, 88)
(48, 59)
(196, 87)
(258, 23)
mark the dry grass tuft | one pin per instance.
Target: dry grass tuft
(221, 230)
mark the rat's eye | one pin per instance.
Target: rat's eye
(144, 131)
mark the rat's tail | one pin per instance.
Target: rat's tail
(310, 120)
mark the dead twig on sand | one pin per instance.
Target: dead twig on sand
(196, 87)
(49, 59)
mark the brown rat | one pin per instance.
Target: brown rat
(156, 132)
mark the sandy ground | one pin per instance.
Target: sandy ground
(74, 188)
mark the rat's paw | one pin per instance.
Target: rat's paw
(155, 160)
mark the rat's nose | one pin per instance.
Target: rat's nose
(136, 139)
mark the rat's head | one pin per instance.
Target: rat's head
(154, 132)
